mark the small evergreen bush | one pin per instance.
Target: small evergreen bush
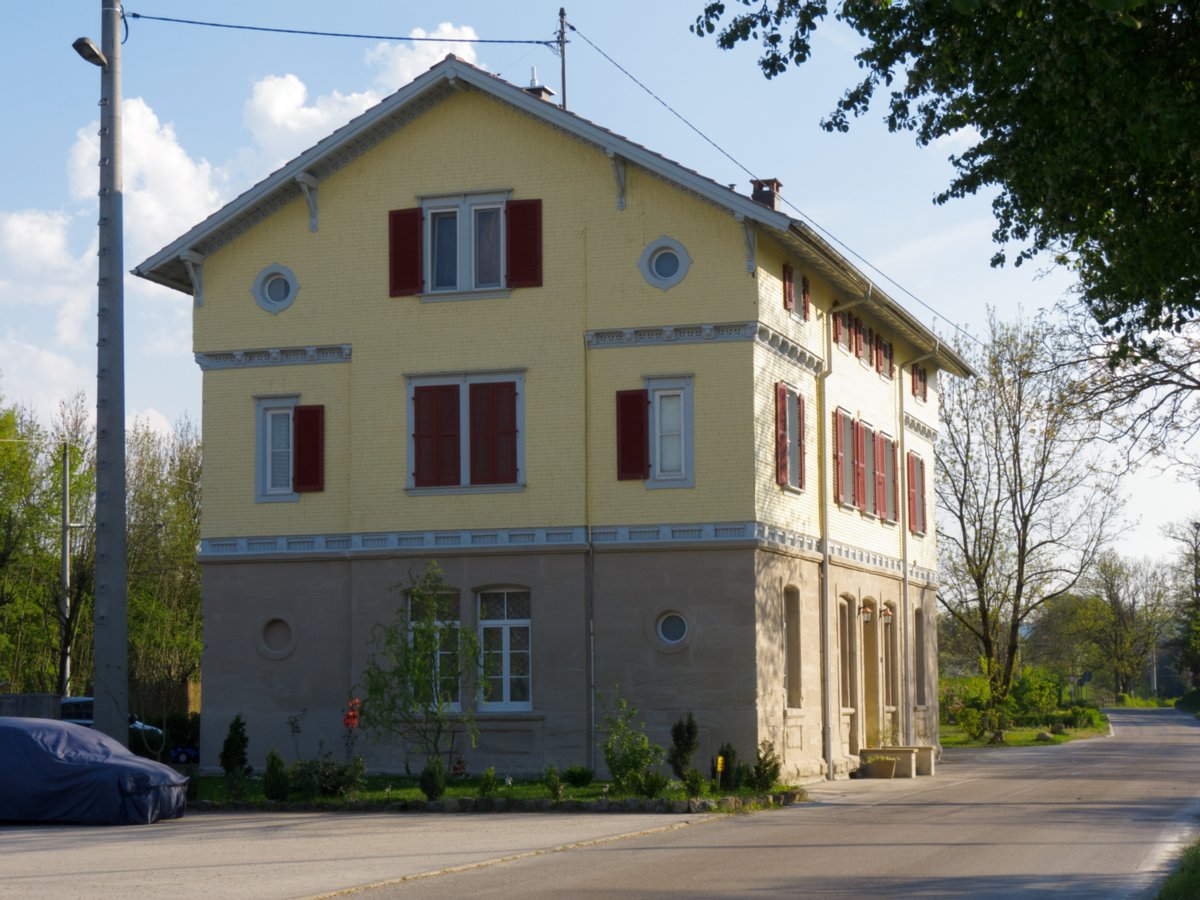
(767, 766)
(553, 782)
(735, 773)
(652, 784)
(693, 783)
(628, 753)
(433, 779)
(578, 776)
(275, 779)
(233, 758)
(685, 741)
(488, 783)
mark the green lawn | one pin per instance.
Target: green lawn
(1184, 883)
(954, 736)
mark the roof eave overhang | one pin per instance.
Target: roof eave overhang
(165, 267)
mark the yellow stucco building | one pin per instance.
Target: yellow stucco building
(656, 433)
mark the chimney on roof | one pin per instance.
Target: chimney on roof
(538, 90)
(766, 192)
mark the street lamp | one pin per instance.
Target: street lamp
(110, 649)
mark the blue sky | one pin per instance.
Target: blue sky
(210, 111)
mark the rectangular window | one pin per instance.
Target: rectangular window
(466, 431)
(654, 433)
(792, 635)
(845, 629)
(920, 382)
(789, 436)
(916, 494)
(885, 477)
(505, 642)
(291, 449)
(844, 432)
(870, 479)
(465, 243)
(789, 287)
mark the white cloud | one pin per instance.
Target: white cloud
(165, 190)
(958, 140)
(150, 417)
(398, 64)
(38, 378)
(284, 123)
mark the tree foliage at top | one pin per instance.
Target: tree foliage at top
(1086, 115)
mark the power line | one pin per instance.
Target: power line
(337, 34)
(799, 212)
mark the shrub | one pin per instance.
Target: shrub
(487, 782)
(693, 783)
(652, 784)
(433, 779)
(685, 741)
(578, 776)
(233, 751)
(275, 779)
(1034, 697)
(628, 753)
(735, 773)
(553, 783)
(1189, 702)
(767, 766)
(326, 777)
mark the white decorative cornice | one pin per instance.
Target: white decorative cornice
(924, 429)
(670, 334)
(787, 348)
(693, 333)
(285, 356)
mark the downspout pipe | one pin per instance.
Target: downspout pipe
(905, 600)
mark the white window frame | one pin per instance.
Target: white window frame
(464, 207)
(659, 389)
(505, 626)
(891, 486)
(266, 408)
(464, 382)
(796, 443)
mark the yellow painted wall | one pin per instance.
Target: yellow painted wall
(468, 143)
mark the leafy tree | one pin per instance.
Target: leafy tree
(1085, 118)
(1129, 616)
(1060, 640)
(628, 753)
(1024, 495)
(1187, 593)
(420, 669)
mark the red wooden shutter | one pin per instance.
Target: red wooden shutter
(524, 243)
(633, 435)
(921, 495)
(404, 252)
(858, 337)
(781, 434)
(308, 438)
(789, 287)
(493, 417)
(837, 327)
(839, 458)
(895, 482)
(879, 357)
(800, 434)
(805, 297)
(880, 476)
(435, 435)
(860, 466)
(891, 361)
(912, 492)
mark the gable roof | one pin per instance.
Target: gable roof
(169, 266)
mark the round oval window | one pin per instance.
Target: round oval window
(277, 289)
(672, 628)
(665, 264)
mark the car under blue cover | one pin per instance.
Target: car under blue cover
(53, 771)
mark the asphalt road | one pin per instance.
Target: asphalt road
(1097, 818)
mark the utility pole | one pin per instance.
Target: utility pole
(111, 650)
(64, 607)
(562, 50)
